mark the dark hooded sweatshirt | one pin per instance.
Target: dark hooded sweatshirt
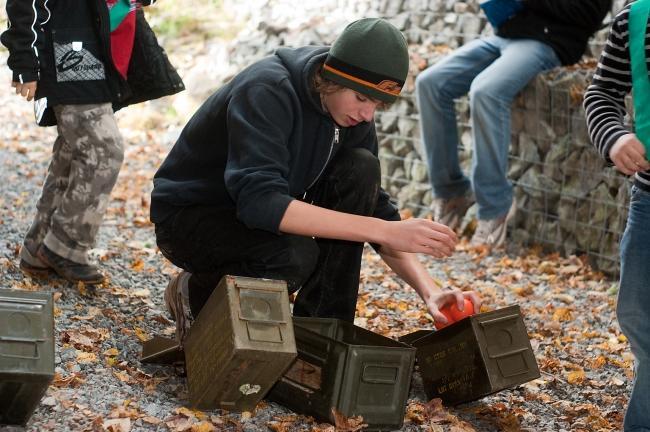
(565, 25)
(258, 143)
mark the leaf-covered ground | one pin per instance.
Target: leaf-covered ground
(101, 385)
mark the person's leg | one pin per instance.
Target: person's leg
(436, 88)
(633, 308)
(96, 157)
(210, 242)
(491, 95)
(55, 185)
(351, 185)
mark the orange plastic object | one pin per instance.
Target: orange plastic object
(453, 314)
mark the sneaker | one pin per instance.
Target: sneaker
(70, 270)
(177, 300)
(450, 211)
(492, 232)
(31, 265)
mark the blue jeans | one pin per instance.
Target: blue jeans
(633, 310)
(493, 70)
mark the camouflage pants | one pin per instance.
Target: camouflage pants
(86, 160)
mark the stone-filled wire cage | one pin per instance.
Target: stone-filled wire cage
(568, 199)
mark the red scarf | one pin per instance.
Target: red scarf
(122, 17)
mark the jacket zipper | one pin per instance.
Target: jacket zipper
(335, 140)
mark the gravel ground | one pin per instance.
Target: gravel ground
(101, 385)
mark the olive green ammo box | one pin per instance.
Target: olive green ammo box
(26, 352)
(237, 348)
(474, 357)
(348, 368)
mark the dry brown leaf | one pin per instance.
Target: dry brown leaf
(78, 340)
(137, 265)
(598, 362)
(151, 420)
(435, 412)
(462, 427)
(141, 334)
(576, 376)
(179, 424)
(73, 380)
(117, 425)
(86, 357)
(204, 426)
(122, 376)
(142, 293)
(347, 424)
(111, 352)
(562, 314)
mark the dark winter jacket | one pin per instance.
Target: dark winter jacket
(258, 143)
(65, 46)
(565, 25)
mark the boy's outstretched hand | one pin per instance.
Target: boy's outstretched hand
(421, 236)
(27, 90)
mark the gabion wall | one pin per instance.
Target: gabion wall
(567, 199)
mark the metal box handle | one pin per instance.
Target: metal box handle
(379, 374)
(498, 320)
(29, 342)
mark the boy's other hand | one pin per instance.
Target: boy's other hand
(628, 154)
(440, 299)
(26, 90)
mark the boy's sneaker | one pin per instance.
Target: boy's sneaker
(450, 211)
(492, 232)
(70, 270)
(177, 301)
(31, 265)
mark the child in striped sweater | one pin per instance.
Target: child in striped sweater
(623, 67)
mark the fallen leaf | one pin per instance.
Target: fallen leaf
(347, 424)
(576, 377)
(117, 425)
(86, 357)
(435, 412)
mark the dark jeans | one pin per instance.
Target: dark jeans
(210, 242)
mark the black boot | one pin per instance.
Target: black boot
(71, 270)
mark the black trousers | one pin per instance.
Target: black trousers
(210, 242)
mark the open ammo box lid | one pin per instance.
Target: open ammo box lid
(162, 350)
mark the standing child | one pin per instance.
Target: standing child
(80, 60)
(623, 67)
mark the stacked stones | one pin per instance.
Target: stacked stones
(567, 198)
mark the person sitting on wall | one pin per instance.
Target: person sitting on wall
(541, 35)
(276, 176)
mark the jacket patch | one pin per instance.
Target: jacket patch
(74, 63)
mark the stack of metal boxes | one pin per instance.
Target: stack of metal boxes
(349, 369)
(244, 341)
(475, 357)
(26, 352)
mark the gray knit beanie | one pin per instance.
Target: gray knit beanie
(371, 57)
